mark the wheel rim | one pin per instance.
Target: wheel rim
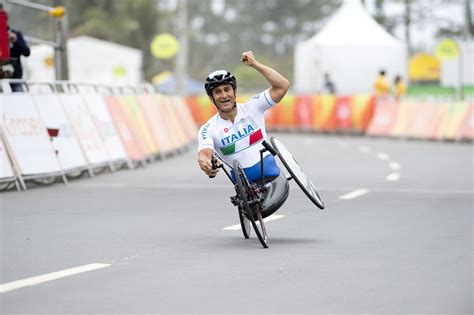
(245, 224)
(245, 192)
(297, 174)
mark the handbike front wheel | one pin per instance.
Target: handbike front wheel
(244, 223)
(250, 204)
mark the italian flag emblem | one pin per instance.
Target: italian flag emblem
(242, 142)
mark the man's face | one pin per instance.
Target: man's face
(224, 97)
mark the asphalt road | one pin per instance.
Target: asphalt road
(396, 237)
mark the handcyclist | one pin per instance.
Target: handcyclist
(236, 131)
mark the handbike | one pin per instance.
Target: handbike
(258, 200)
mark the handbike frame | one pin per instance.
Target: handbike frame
(249, 196)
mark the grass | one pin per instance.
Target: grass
(437, 90)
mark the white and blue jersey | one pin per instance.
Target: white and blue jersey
(242, 139)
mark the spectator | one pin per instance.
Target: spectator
(18, 48)
(399, 87)
(381, 86)
(6, 69)
(329, 86)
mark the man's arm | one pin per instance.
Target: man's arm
(279, 84)
(206, 149)
(204, 160)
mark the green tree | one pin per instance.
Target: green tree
(271, 28)
(128, 22)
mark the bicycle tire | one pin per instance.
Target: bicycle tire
(254, 213)
(296, 172)
(244, 224)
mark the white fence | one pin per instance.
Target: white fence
(63, 130)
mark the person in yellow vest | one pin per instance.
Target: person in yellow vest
(381, 86)
(399, 87)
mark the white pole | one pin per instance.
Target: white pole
(181, 59)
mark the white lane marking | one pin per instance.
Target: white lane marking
(125, 185)
(49, 277)
(322, 188)
(270, 218)
(394, 166)
(393, 177)
(364, 149)
(343, 144)
(354, 194)
(424, 191)
(383, 156)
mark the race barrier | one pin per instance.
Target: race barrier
(431, 120)
(26, 138)
(6, 170)
(67, 131)
(325, 113)
(360, 114)
(106, 128)
(64, 132)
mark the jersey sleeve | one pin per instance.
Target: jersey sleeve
(262, 101)
(205, 140)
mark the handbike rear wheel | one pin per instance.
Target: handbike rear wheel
(250, 204)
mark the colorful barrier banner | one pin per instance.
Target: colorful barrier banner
(26, 136)
(324, 113)
(140, 126)
(440, 115)
(185, 118)
(286, 110)
(173, 121)
(87, 134)
(384, 118)
(6, 170)
(63, 137)
(360, 113)
(362, 109)
(466, 131)
(451, 121)
(105, 126)
(405, 114)
(241, 98)
(130, 139)
(45, 134)
(205, 109)
(343, 113)
(154, 117)
(424, 121)
(175, 138)
(304, 111)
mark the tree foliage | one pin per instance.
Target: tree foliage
(218, 30)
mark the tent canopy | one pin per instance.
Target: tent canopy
(90, 60)
(353, 25)
(352, 48)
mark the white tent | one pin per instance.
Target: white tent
(352, 47)
(90, 60)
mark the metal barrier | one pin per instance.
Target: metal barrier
(62, 129)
